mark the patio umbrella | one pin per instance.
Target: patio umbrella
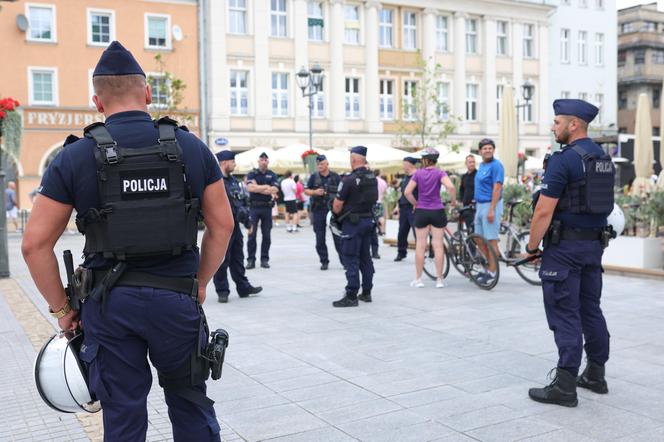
(387, 159)
(534, 164)
(248, 159)
(288, 158)
(452, 161)
(338, 159)
(508, 141)
(643, 149)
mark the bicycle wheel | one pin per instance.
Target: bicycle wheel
(455, 252)
(477, 255)
(530, 270)
(430, 261)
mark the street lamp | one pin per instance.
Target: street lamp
(527, 89)
(310, 82)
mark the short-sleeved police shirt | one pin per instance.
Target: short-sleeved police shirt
(564, 167)
(314, 183)
(262, 178)
(72, 179)
(486, 177)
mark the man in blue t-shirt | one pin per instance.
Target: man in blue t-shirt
(489, 201)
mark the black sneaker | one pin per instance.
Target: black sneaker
(223, 297)
(345, 302)
(400, 258)
(593, 379)
(265, 264)
(324, 266)
(250, 265)
(375, 255)
(561, 391)
(252, 291)
(365, 296)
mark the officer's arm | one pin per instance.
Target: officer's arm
(47, 221)
(408, 192)
(219, 222)
(541, 220)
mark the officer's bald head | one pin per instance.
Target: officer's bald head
(117, 93)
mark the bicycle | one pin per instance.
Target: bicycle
(514, 250)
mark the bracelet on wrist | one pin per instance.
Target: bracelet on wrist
(532, 251)
(62, 312)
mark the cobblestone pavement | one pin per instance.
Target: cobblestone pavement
(414, 365)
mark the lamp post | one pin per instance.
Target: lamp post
(310, 82)
(527, 94)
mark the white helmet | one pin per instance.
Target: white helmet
(616, 219)
(61, 378)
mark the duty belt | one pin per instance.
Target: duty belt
(581, 235)
(141, 279)
(261, 203)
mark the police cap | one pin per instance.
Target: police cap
(577, 108)
(360, 150)
(263, 155)
(225, 155)
(411, 160)
(116, 60)
(320, 158)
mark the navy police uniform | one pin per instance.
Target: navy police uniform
(261, 212)
(133, 321)
(320, 206)
(359, 192)
(406, 215)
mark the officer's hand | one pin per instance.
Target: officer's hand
(250, 229)
(320, 192)
(491, 216)
(201, 294)
(70, 321)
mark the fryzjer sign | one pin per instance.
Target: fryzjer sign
(73, 119)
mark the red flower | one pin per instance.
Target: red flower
(309, 152)
(3, 114)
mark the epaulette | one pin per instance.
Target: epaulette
(166, 120)
(184, 128)
(71, 138)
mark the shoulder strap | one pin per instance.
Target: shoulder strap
(583, 153)
(167, 140)
(105, 143)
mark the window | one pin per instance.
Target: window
(442, 30)
(582, 46)
(161, 91)
(471, 102)
(386, 100)
(315, 21)
(352, 25)
(443, 105)
(237, 16)
(639, 56)
(599, 102)
(649, 26)
(528, 40)
(239, 93)
(599, 49)
(499, 98)
(318, 109)
(622, 100)
(158, 35)
(101, 27)
(583, 96)
(279, 94)
(658, 56)
(409, 30)
(599, 4)
(352, 101)
(43, 86)
(409, 100)
(622, 58)
(278, 18)
(565, 94)
(42, 23)
(386, 28)
(656, 94)
(471, 36)
(627, 27)
(501, 38)
(564, 45)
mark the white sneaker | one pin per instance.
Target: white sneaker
(288, 229)
(440, 284)
(417, 283)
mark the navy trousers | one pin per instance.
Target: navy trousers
(262, 215)
(233, 262)
(142, 322)
(406, 225)
(356, 249)
(320, 229)
(571, 274)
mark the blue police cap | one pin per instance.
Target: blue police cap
(263, 155)
(225, 155)
(360, 150)
(411, 160)
(578, 108)
(116, 60)
(320, 158)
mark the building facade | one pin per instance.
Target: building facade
(640, 63)
(371, 53)
(53, 47)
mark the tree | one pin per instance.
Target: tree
(166, 87)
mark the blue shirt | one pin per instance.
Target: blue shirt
(564, 167)
(261, 178)
(488, 174)
(72, 179)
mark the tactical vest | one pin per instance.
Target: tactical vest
(593, 194)
(365, 196)
(331, 188)
(146, 208)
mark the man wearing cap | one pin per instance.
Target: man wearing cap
(353, 208)
(263, 186)
(140, 225)
(570, 216)
(322, 188)
(234, 261)
(405, 209)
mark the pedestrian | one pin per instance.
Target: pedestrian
(430, 217)
(379, 214)
(467, 192)
(405, 209)
(125, 180)
(489, 204)
(300, 199)
(234, 260)
(570, 216)
(289, 190)
(322, 188)
(263, 187)
(12, 205)
(353, 208)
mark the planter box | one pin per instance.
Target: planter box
(628, 251)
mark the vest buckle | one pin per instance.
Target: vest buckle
(111, 152)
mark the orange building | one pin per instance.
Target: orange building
(50, 49)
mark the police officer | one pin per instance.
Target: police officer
(353, 208)
(571, 213)
(139, 214)
(405, 209)
(234, 260)
(263, 186)
(322, 188)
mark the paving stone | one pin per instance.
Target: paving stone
(275, 421)
(327, 434)
(516, 429)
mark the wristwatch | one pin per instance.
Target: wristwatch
(62, 312)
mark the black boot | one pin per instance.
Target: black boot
(324, 266)
(251, 264)
(592, 378)
(400, 258)
(365, 296)
(561, 391)
(223, 297)
(252, 291)
(348, 300)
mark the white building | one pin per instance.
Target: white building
(369, 51)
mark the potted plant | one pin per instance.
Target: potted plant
(309, 160)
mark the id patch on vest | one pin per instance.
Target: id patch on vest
(152, 183)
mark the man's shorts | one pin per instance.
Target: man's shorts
(12, 213)
(482, 225)
(291, 206)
